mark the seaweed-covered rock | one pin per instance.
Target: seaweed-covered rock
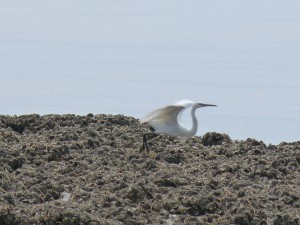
(213, 138)
(68, 169)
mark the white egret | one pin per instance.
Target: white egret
(167, 120)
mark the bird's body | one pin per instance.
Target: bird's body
(166, 120)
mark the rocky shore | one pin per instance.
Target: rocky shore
(88, 170)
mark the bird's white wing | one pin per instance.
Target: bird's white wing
(168, 114)
(185, 103)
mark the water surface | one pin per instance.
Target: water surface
(129, 57)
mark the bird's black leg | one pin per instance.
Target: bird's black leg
(145, 144)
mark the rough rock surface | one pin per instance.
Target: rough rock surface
(67, 169)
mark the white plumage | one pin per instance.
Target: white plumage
(166, 120)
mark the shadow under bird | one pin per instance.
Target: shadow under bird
(167, 120)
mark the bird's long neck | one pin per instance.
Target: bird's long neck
(194, 128)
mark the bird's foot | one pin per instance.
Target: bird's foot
(152, 155)
(148, 154)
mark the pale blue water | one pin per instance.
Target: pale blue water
(129, 57)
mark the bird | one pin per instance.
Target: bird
(167, 120)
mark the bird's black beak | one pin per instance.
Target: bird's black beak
(204, 105)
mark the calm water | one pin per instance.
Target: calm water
(129, 57)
